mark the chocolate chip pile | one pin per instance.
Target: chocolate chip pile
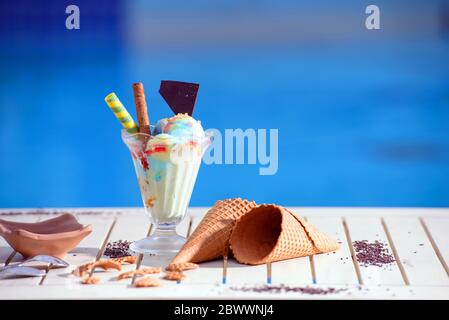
(372, 253)
(117, 249)
(54, 212)
(283, 289)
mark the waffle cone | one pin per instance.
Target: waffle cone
(210, 240)
(271, 233)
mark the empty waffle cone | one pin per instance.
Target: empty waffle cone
(271, 233)
(210, 240)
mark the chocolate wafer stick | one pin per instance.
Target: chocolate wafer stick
(141, 108)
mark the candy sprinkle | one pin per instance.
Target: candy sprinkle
(372, 253)
(283, 289)
(117, 249)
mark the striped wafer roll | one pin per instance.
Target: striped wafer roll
(121, 113)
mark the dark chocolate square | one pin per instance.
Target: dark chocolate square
(180, 96)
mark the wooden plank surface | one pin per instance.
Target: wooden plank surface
(437, 229)
(370, 229)
(242, 274)
(421, 249)
(295, 271)
(371, 211)
(415, 251)
(338, 267)
(202, 292)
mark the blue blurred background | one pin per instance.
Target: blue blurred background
(363, 115)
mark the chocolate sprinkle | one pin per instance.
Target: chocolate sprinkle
(283, 289)
(117, 249)
(372, 253)
(55, 212)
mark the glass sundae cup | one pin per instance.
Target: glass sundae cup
(166, 167)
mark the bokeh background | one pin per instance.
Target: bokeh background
(363, 116)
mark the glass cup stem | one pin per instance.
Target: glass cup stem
(163, 241)
(164, 231)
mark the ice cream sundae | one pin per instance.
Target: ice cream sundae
(166, 159)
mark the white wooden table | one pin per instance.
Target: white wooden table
(418, 238)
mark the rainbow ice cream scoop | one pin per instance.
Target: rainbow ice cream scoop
(171, 136)
(180, 126)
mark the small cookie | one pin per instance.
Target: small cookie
(181, 266)
(127, 259)
(107, 264)
(140, 272)
(83, 269)
(90, 280)
(174, 275)
(128, 274)
(147, 282)
(151, 270)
